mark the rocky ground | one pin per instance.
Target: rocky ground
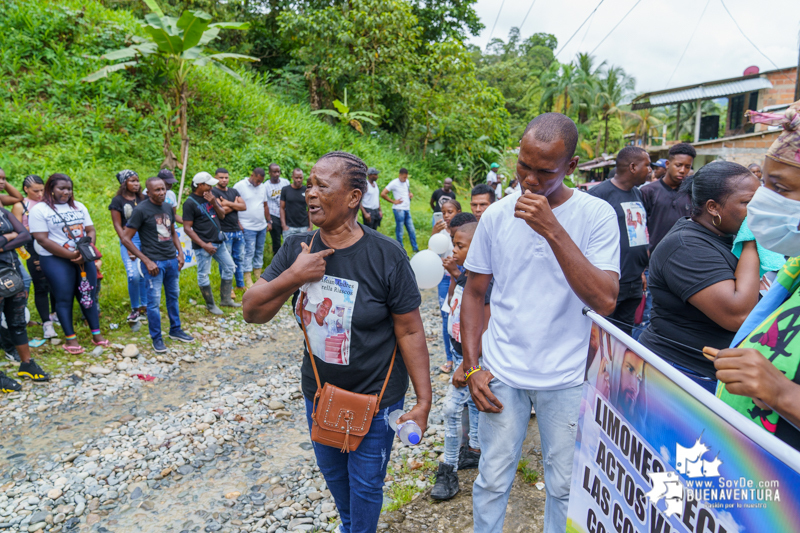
(210, 437)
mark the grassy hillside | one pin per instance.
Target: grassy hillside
(51, 122)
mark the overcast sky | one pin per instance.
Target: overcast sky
(649, 42)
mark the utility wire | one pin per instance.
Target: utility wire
(496, 19)
(687, 44)
(526, 15)
(588, 27)
(615, 27)
(579, 29)
(751, 42)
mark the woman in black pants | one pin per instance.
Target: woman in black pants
(12, 304)
(33, 187)
(57, 223)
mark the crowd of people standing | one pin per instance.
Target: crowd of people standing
(695, 252)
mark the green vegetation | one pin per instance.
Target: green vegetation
(529, 475)
(50, 122)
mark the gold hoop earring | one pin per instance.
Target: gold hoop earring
(713, 220)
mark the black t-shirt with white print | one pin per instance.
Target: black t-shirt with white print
(349, 320)
(154, 223)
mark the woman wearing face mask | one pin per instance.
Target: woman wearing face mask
(33, 186)
(760, 377)
(701, 292)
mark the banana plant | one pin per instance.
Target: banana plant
(178, 45)
(346, 116)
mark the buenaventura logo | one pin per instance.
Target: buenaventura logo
(693, 464)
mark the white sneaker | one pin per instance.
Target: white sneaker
(49, 330)
(54, 318)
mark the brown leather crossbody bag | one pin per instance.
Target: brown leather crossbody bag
(341, 418)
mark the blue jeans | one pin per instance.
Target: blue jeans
(501, 436)
(221, 256)
(168, 276)
(235, 245)
(648, 305)
(294, 231)
(355, 479)
(254, 249)
(137, 286)
(454, 404)
(709, 384)
(402, 218)
(444, 285)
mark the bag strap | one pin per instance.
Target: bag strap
(207, 214)
(65, 225)
(311, 355)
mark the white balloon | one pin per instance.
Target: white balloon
(428, 269)
(439, 243)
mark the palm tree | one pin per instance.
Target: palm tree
(612, 89)
(587, 79)
(687, 116)
(642, 122)
(560, 83)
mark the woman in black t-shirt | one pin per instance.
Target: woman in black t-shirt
(701, 292)
(129, 195)
(367, 302)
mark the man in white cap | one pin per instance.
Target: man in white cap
(201, 215)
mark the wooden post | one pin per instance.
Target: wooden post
(678, 124)
(697, 116)
(183, 175)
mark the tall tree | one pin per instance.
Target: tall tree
(447, 19)
(177, 45)
(612, 89)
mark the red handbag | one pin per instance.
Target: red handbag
(639, 316)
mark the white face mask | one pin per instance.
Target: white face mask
(774, 221)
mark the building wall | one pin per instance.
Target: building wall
(746, 150)
(782, 92)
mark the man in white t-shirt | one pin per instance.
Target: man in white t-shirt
(255, 221)
(494, 181)
(273, 186)
(551, 251)
(371, 212)
(401, 207)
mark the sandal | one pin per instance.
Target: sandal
(104, 342)
(447, 367)
(73, 350)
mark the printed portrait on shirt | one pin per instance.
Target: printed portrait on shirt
(328, 322)
(163, 227)
(636, 223)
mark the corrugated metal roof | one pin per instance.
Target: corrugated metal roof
(705, 92)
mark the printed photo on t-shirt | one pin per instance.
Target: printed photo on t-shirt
(454, 318)
(329, 322)
(636, 222)
(163, 224)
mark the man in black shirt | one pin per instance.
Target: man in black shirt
(440, 196)
(154, 220)
(231, 202)
(294, 211)
(663, 201)
(202, 214)
(622, 192)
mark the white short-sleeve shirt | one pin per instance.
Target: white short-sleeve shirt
(252, 218)
(371, 198)
(538, 337)
(64, 226)
(400, 190)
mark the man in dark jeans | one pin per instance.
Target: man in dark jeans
(231, 202)
(294, 211)
(162, 257)
(622, 192)
(274, 185)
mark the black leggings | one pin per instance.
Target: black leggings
(43, 297)
(13, 307)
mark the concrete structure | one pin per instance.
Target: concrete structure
(742, 143)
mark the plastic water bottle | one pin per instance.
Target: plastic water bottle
(408, 432)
